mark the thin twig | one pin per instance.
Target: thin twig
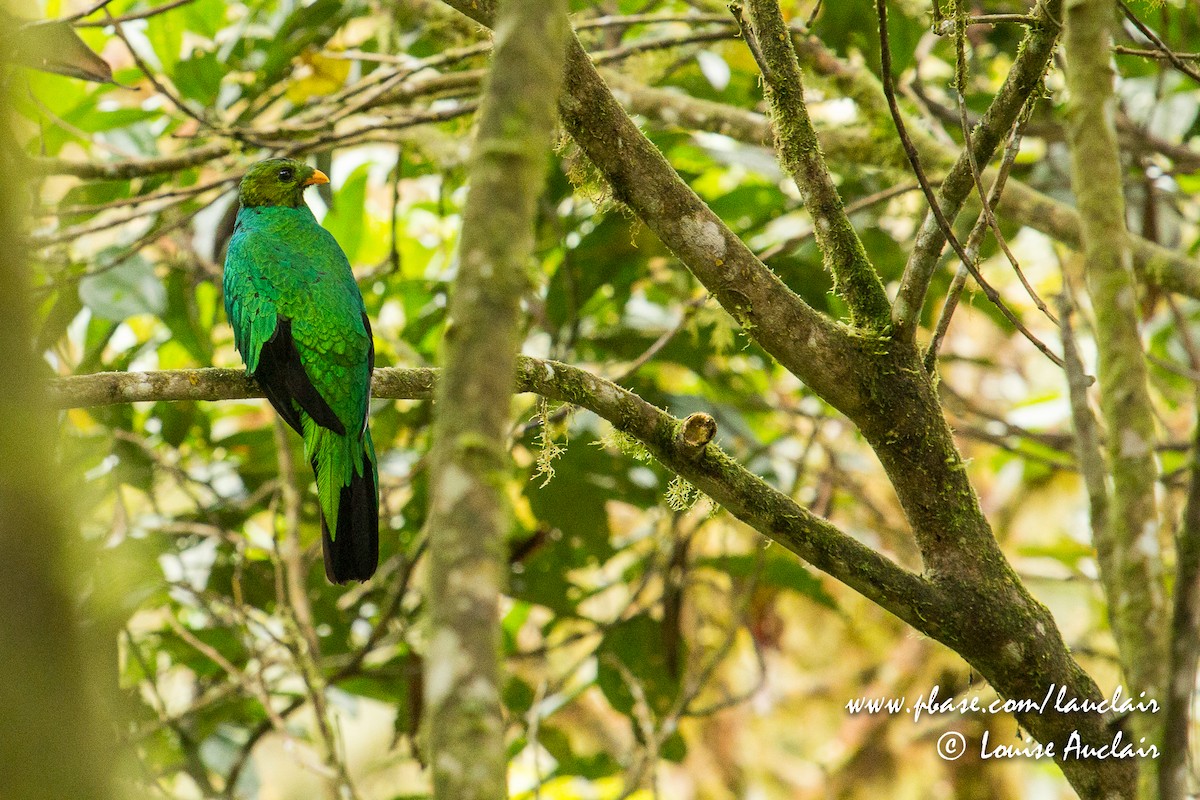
(130, 251)
(1156, 54)
(158, 85)
(812, 15)
(889, 89)
(851, 208)
(647, 19)
(973, 242)
(988, 204)
(1185, 639)
(1168, 53)
(188, 191)
(130, 17)
(747, 34)
(75, 130)
(87, 12)
(654, 349)
(605, 57)
(842, 252)
(945, 26)
(1087, 436)
(104, 223)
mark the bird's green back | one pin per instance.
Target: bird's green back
(281, 263)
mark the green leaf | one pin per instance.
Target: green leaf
(390, 689)
(199, 77)
(65, 307)
(182, 316)
(512, 623)
(52, 46)
(176, 419)
(782, 570)
(518, 696)
(590, 767)
(610, 256)
(674, 748)
(308, 26)
(165, 32)
(636, 644)
(854, 25)
(204, 17)
(120, 292)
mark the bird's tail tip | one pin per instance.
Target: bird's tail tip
(353, 554)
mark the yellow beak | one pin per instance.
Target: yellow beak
(317, 178)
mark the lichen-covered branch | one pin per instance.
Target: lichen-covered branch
(674, 443)
(855, 279)
(468, 513)
(1169, 269)
(1023, 79)
(1087, 437)
(880, 385)
(111, 388)
(802, 340)
(681, 447)
(1136, 592)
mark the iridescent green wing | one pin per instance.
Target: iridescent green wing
(330, 331)
(298, 318)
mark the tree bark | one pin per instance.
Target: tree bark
(468, 517)
(1128, 546)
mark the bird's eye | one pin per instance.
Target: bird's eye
(285, 174)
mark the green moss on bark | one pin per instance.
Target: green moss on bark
(1132, 572)
(468, 516)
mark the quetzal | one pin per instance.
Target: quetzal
(299, 322)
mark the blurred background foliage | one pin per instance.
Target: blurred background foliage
(656, 647)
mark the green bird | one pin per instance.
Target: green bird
(300, 325)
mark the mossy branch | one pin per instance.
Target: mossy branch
(1171, 270)
(468, 511)
(1136, 592)
(1087, 436)
(843, 254)
(1023, 80)
(808, 344)
(679, 444)
(1185, 640)
(974, 616)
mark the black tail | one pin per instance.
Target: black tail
(354, 555)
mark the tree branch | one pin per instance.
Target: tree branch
(809, 345)
(1023, 79)
(745, 495)
(130, 168)
(1087, 437)
(843, 254)
(1185, 641)
(1171, 270)
(1136, 591)
(949, 609)
(468, 513)
(944, 224)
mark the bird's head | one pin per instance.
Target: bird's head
(278, 182)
